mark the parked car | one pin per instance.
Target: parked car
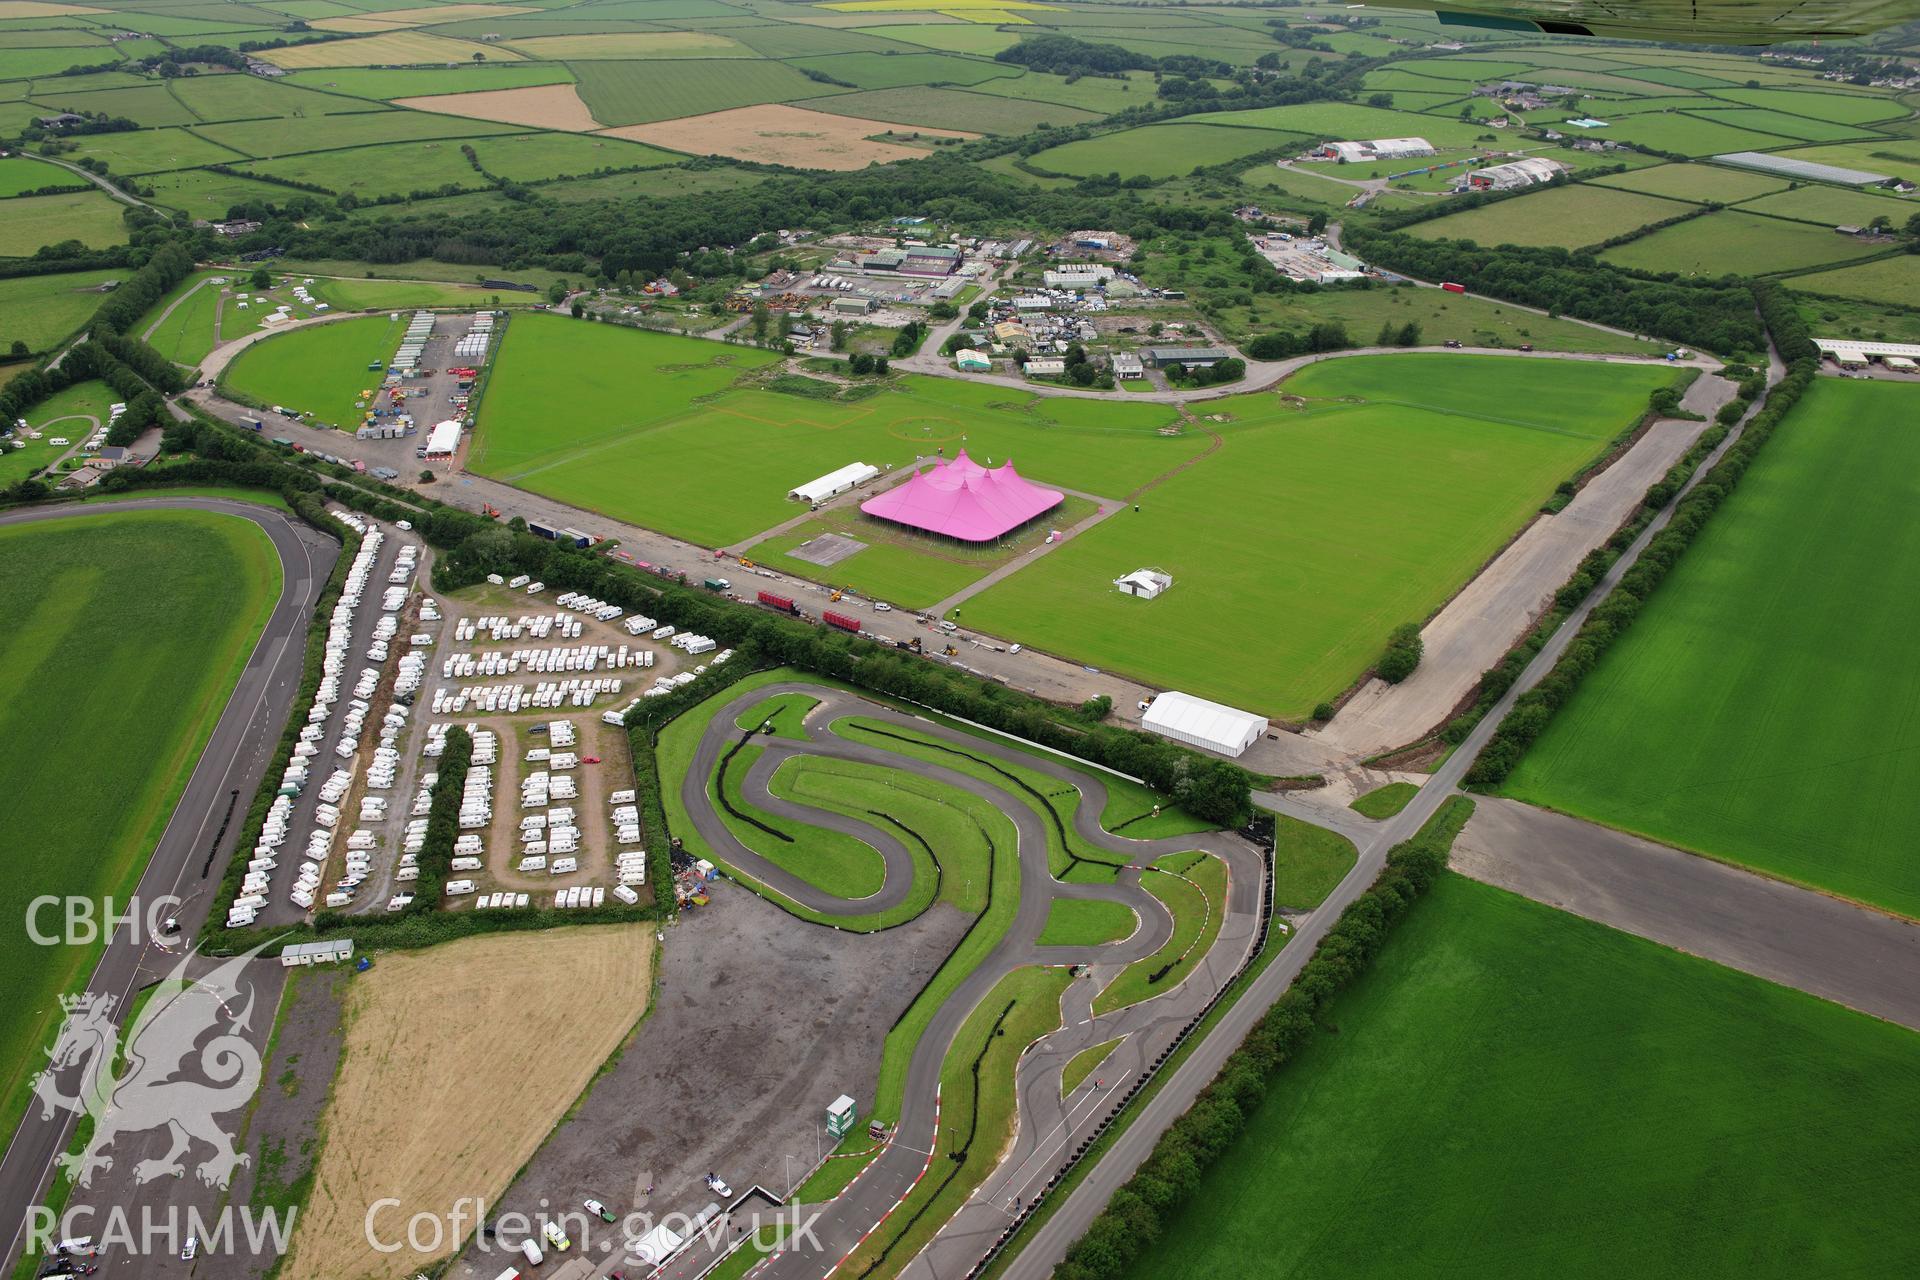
(595, 1207)
(718, 1186)
(556, 1237)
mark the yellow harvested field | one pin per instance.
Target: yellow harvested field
(10, 9)
(394, 48)
(547, 106)
(776, 134)
(633, 44)
(434, 1040)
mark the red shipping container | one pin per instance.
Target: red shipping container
(1450, 287)
(840, 620)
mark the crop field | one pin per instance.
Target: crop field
(268, 138)
(320, 371)
(633, 44)
(422, 1018)
(1315, 590)
(169, 602)
(1529, 1046)
(954, 37)
(243, 97)
(1777, 643)
(651, 460)
(92, 217)
(42, 310)
(1891, 280)
(1732, 241)
(778, 134)
(894, 71)
(1697, 183)
(1571, 216)
(1162, 150)
(620, 93)
(412, 82)
(393, 48)
(975, 111)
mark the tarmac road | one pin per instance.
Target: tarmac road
(193, 849)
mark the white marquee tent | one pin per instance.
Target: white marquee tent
(1200, 723)
(443, 439)
(834, 483)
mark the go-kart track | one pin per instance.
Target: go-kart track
(1048, 1126)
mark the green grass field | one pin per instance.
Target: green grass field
(638, 92)
(169, 603)
(1161, 150)
(1086, 922)
(370, 172)
(1832, 206)
(320, 370)
(42, 310)
(243, 97)
(1780, 642)
(269, 138)
(1730, 241)
(187, 333)
(92, 217)
(1567, 216)
(1512, 1091)
(23, 173)
(970, 109)
(1891, 280)
(153, 151)
(1384, 802)
(1697, 183)
(538, 157)
(1311, 532)
(421, 82)
(650, 458)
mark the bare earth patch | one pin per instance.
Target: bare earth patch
(421, 1113)
(547, 106)
(778, 134)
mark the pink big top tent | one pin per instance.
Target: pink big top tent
(962, 499)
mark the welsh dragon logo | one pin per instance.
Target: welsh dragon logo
(185, 1061)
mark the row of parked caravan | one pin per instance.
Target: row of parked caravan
(586, 657)
(693, 645)
(293, 779)
(509, 698)
(581, 602)
(535, 626)
(629, 861)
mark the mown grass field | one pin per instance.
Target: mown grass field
(187, 333)
(411, 82)
(22, 173)
(319, 371)
(1548, 1096)
(1161, 150)
(973, 110)
(1890, 280)
(1731, 241)
(1311, 532)
(126, 633)
(1697, 183)
(41, 310)
(1569, 216)
(92, 217)
(1193, 888)
(1086, 922)
(1781, 643)
(641, 92)
(655, 457)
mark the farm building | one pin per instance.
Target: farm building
(1192, 357)
(1377, 149)
(1128, 365)
(852, 306)
(1200, 723)
(974, 361)
(964, 500)
(443, 439)
(834, 483)
(1849, 357)
(1046, 366)
(1144, 584)
(1527, 172)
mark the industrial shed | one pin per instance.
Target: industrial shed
(1526, 172)
(834, 483)
(1200, 723)
(1192, 357)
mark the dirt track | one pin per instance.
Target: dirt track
(460, 1059)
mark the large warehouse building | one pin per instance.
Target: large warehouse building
(1200, 723)
(964, 500)
(1377, 149)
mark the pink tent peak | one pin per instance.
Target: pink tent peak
(962, 499)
